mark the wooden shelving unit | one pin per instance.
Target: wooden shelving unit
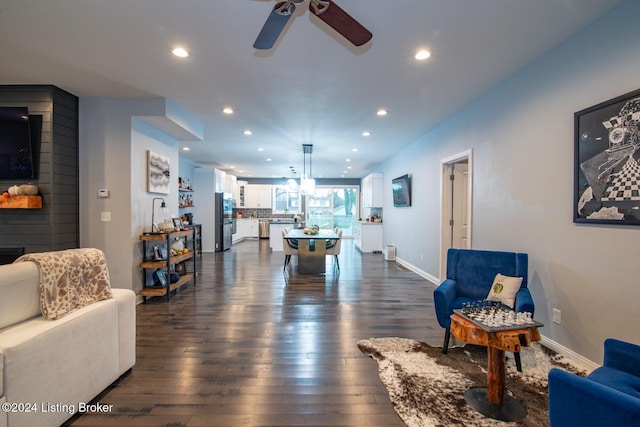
(149, 265)
(197, 236)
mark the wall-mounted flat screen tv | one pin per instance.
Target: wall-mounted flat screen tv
(401, 187)
(16, 156)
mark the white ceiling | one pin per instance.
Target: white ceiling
(311, 88)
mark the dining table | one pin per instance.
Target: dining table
(312, 249)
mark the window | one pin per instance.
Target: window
(331, 207)
(285, 200)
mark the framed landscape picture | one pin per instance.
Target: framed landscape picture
(607, 162)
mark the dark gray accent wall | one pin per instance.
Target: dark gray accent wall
(56, 225)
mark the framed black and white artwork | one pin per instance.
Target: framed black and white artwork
(607, 162)
(158, 173)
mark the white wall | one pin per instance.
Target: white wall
(521, 134)
(113, 155)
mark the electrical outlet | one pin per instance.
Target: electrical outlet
(105, 216)
(557, 316)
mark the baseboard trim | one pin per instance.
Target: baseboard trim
(577, 359)
(574, 357)
(433, 279)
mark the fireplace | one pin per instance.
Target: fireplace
(8, 255)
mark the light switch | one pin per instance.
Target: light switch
(105, 216)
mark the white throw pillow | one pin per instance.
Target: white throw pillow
(504, 289)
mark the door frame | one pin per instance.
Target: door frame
(446, 191)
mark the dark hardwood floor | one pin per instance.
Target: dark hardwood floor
(251, 346)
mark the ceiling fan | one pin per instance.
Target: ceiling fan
(327, 10)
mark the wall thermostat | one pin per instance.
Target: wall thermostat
(103, 193)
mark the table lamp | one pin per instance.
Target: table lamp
(163, 205)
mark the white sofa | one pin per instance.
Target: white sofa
(51, 367)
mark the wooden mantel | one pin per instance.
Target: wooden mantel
(21, 202)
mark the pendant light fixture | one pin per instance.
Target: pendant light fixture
(307, 183)
(292, 185)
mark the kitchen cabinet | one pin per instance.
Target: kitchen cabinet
(157, 257)
(372, 190)
(258, 196)
(242, 188)
(246, 228)
(231, 186)
(367, 236)
(240, 233)
(220, 180)
(251, 228)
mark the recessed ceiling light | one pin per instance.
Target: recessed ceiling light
(268, 159)
(227, 110)
(260, 149)
(423, 54)
(348, 167)
(366, 132)
(180, 52)
(382, 112)
(355, 150)
(247, 132)
(347, 160)
(186, 148)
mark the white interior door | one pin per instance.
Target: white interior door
(459, 216)
(456, 205)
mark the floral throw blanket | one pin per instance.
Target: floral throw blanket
(70, 279)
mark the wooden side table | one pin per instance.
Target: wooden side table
(492, 401)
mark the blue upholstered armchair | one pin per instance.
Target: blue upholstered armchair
(470, 274)
(609, 396)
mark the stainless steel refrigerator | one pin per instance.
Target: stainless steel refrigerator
(223, 221)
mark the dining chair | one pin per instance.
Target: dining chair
(333, 248)
(288, 248)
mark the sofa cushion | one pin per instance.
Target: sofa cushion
(20, 290)
(619, 380)
(65, 361)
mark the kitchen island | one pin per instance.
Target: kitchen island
(275, 233)
(368, 236)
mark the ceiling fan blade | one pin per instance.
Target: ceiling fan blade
(334, 16)
(274, 25)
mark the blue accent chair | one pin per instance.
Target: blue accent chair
(609, 396)
(470, 274)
